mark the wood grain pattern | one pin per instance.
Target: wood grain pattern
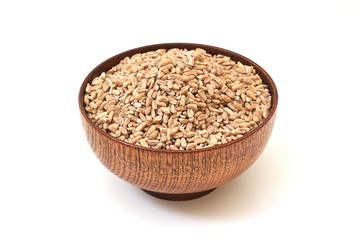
(178, 172)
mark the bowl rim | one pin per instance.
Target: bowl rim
(274, 96)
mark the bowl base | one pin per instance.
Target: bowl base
(178, 197)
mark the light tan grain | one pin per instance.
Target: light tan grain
(177, 99)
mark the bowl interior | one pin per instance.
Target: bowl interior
(111, 62)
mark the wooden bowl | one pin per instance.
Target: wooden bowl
(181, 174)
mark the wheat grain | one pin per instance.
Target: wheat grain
(177, 99)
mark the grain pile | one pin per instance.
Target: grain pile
(177, 99)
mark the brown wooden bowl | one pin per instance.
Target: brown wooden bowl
(180, 174)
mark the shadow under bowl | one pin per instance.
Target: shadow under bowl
(180, 174)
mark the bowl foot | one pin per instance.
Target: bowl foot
(178, 197)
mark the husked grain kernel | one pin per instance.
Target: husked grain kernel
(177, 99)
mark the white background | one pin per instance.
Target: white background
(305, 185)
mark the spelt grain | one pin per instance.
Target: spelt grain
(177, 99)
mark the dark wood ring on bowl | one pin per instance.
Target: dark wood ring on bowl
(178, 197)
(181, 171)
